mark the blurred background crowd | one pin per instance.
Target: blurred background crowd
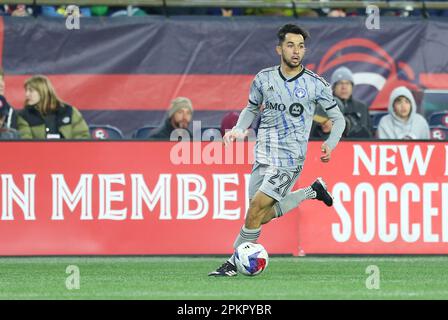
(22, 10)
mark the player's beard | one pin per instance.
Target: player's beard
(291, 64)
(182, 124)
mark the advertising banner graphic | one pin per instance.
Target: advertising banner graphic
(212, 61)
(107, 198)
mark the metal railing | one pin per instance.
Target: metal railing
(285, 4)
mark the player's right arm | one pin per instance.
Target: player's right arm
(248, 114)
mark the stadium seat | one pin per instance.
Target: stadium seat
(376, 117)
(105, 132)
(439, 132)
(439, 119)
(143, 132)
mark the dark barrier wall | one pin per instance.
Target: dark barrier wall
(141, 63)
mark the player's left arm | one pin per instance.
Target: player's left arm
(252, 109)
(249, 113)
(328, 103)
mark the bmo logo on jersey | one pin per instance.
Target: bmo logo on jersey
(276, 106)
(296, 109)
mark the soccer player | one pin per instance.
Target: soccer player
(290, 94)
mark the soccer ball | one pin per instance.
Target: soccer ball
(251, 258)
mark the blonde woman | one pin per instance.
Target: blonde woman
(45, 116)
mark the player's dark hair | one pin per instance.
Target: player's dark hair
(291, 28)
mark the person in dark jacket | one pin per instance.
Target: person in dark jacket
(45, 116)
(355, 112)
(8, 119)
(322, 124)
(8, 116)
(179, 116)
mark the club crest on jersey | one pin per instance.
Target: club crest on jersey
(296, 109)
(300, 93)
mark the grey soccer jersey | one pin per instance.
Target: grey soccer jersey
(287, 108)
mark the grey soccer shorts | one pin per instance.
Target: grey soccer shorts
(275, 182)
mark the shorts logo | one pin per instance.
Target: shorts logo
(296, 109)
(300, 93)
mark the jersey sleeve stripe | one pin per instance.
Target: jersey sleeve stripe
(253, 103)
(317, 77)
(329, 108)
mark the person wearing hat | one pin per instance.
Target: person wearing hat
(179, 116)
(356, 113)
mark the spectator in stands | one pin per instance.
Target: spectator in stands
(225, 12)
(337, 13)
(63, 11)
(99, 11)
(403, 121)
(20, 10)
(45, 116)
(322, 125)
(179, 116)
(266, 11)
(355, 112)
(8, 112)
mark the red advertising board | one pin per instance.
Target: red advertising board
(137, 197)
(390, 198)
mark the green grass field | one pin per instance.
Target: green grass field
(185, 278)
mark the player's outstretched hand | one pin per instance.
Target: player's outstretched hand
(326, 153)
(231, 136)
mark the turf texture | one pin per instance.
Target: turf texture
(185, 278)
